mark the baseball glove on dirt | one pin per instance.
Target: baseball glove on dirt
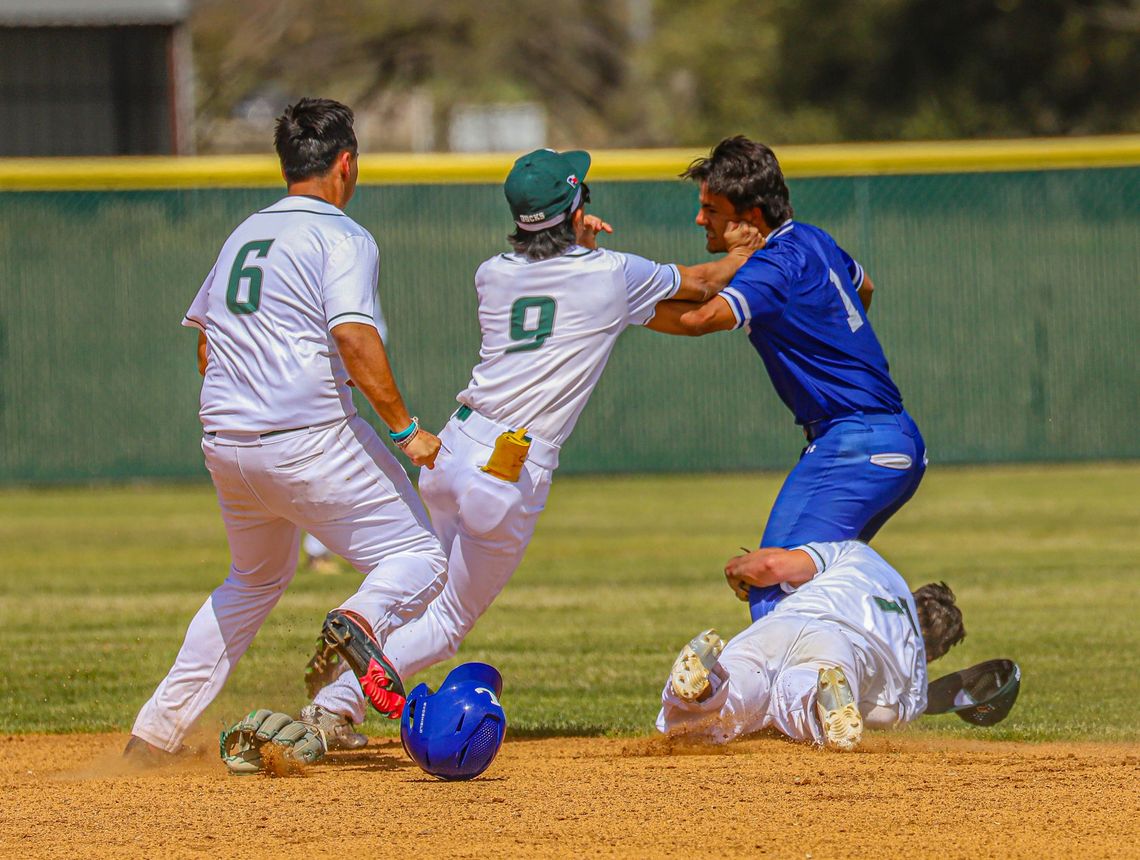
(291, 741)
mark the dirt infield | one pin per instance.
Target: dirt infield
(68, 796)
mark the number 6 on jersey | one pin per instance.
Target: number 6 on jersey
(250, 274)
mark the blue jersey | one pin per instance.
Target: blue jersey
(798, 296)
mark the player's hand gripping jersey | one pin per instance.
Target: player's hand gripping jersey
(548, 328)
(283, 279)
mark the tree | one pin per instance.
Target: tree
(822, 70)
(567, 54)
(685, 72)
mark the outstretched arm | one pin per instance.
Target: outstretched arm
(692, 318)
(768, 566)
(697, 307)
(701, 282)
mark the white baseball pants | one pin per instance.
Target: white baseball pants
(766, 676)
(337, 481)
(485, 525)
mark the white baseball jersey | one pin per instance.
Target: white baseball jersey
(549, 327)
(283, 279)
(857, 613)
(855, 589)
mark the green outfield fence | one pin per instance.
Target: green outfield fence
(1006, 282)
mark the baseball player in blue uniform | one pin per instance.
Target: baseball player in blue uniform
(803, 301)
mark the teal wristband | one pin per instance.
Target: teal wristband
(406, 433)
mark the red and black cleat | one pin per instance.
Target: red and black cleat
(351, 637)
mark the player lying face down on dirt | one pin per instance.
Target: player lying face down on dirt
(846, 648)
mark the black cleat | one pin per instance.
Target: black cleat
(351, 639)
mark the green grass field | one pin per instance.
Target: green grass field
(98, 585)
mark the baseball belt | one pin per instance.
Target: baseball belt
(487, 432)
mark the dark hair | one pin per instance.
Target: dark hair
(544, 244)
(551, 242)
(939, 619)
(748, 174)
(310, 135)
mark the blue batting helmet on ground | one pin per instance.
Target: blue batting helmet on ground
(456, 732)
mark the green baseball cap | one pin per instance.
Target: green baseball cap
(544, 186)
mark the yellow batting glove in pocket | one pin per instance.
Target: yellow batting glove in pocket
(510, 452)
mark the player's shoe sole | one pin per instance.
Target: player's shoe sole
(838, 712)
(690, 676)
(350, 637)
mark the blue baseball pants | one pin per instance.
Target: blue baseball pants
(855, 473)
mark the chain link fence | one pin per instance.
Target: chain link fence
(1006, 303)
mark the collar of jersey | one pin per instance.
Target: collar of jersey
(572, 251)
(780, 231)
(306, 203)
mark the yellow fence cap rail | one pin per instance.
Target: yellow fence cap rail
(972, 156)
(848, 159)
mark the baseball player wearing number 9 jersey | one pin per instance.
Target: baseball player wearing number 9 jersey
(803, 301)
(550, 314)
(287, 316)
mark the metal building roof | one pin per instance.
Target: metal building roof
(75, 13)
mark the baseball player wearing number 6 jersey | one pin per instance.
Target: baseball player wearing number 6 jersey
(287, 316)
(550, 314)
(847, 647)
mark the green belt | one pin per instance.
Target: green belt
(463, 412)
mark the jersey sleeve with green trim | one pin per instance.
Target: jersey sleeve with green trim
(647, 283)
(196, 316)
(825, 554)
(349, 285)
